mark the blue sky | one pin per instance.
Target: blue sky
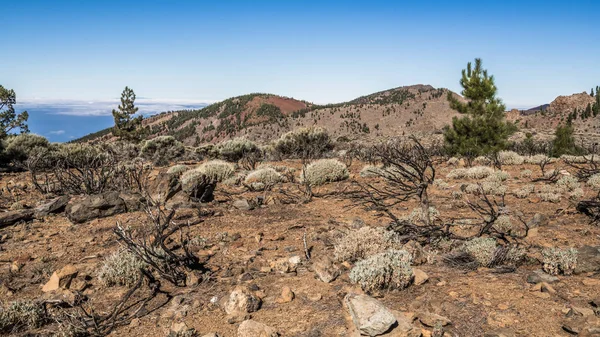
(187, 52)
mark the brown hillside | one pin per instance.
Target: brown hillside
(263, 117)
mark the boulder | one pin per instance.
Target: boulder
(539, 275)
(431, 320)
(12, 217)
(242, 204)
(287, 295)
(325, 269)
(55, 205)
(370, 317)
(61, 279)
(86, 208)
(251, 328)
(588, 260)
(242, 301)
(420, 277)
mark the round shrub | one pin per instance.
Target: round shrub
(388, 270)
(262, 178)
(235, 149)
(324, 171)
(481, 249)
(569, 183)
(308, 142)
(510, 158)
(22, 314)
(217, 170)
(122, 268)
(18, 148)
(557, 260)
(364, 242)
(162, 149)
(594, 181)
(122, 151)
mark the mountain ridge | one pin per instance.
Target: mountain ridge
(264, 116)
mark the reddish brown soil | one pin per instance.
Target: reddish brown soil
(476, 302)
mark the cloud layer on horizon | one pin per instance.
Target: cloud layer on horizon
(104, 107)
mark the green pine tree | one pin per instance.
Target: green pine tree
(482, 129)
(126, 126)
(592, 92)
(9, 119)
(564, 142)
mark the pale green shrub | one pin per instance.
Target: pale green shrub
(479, 172)
(576, 194)
(475, 172)
(262, 178)
(538, 158)
(594, 181)
(388, 270)
(235, 149)
(323, 171)
(482, 250)
(364, 242)
(568, 183)
(121, 268)
(525, 191)
(472, 189)
(498, 176)
(417, 214)
(504, 224)
(161, 150)
(459, 173)
(217, 170)
(557, 260)
(551, 193)
(310, 142)
(510, 158)
(22, 314)
(493, 188)
(482, 161)
(550, 197)
(20, 147)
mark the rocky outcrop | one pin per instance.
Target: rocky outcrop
(370, 317)
(86, 208)
(250, 328)
(12, 217)
(566, 104)
(588, 260)
(55, 205)
(242, 301)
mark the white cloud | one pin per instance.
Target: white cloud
(104, 108)
(57, 132)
